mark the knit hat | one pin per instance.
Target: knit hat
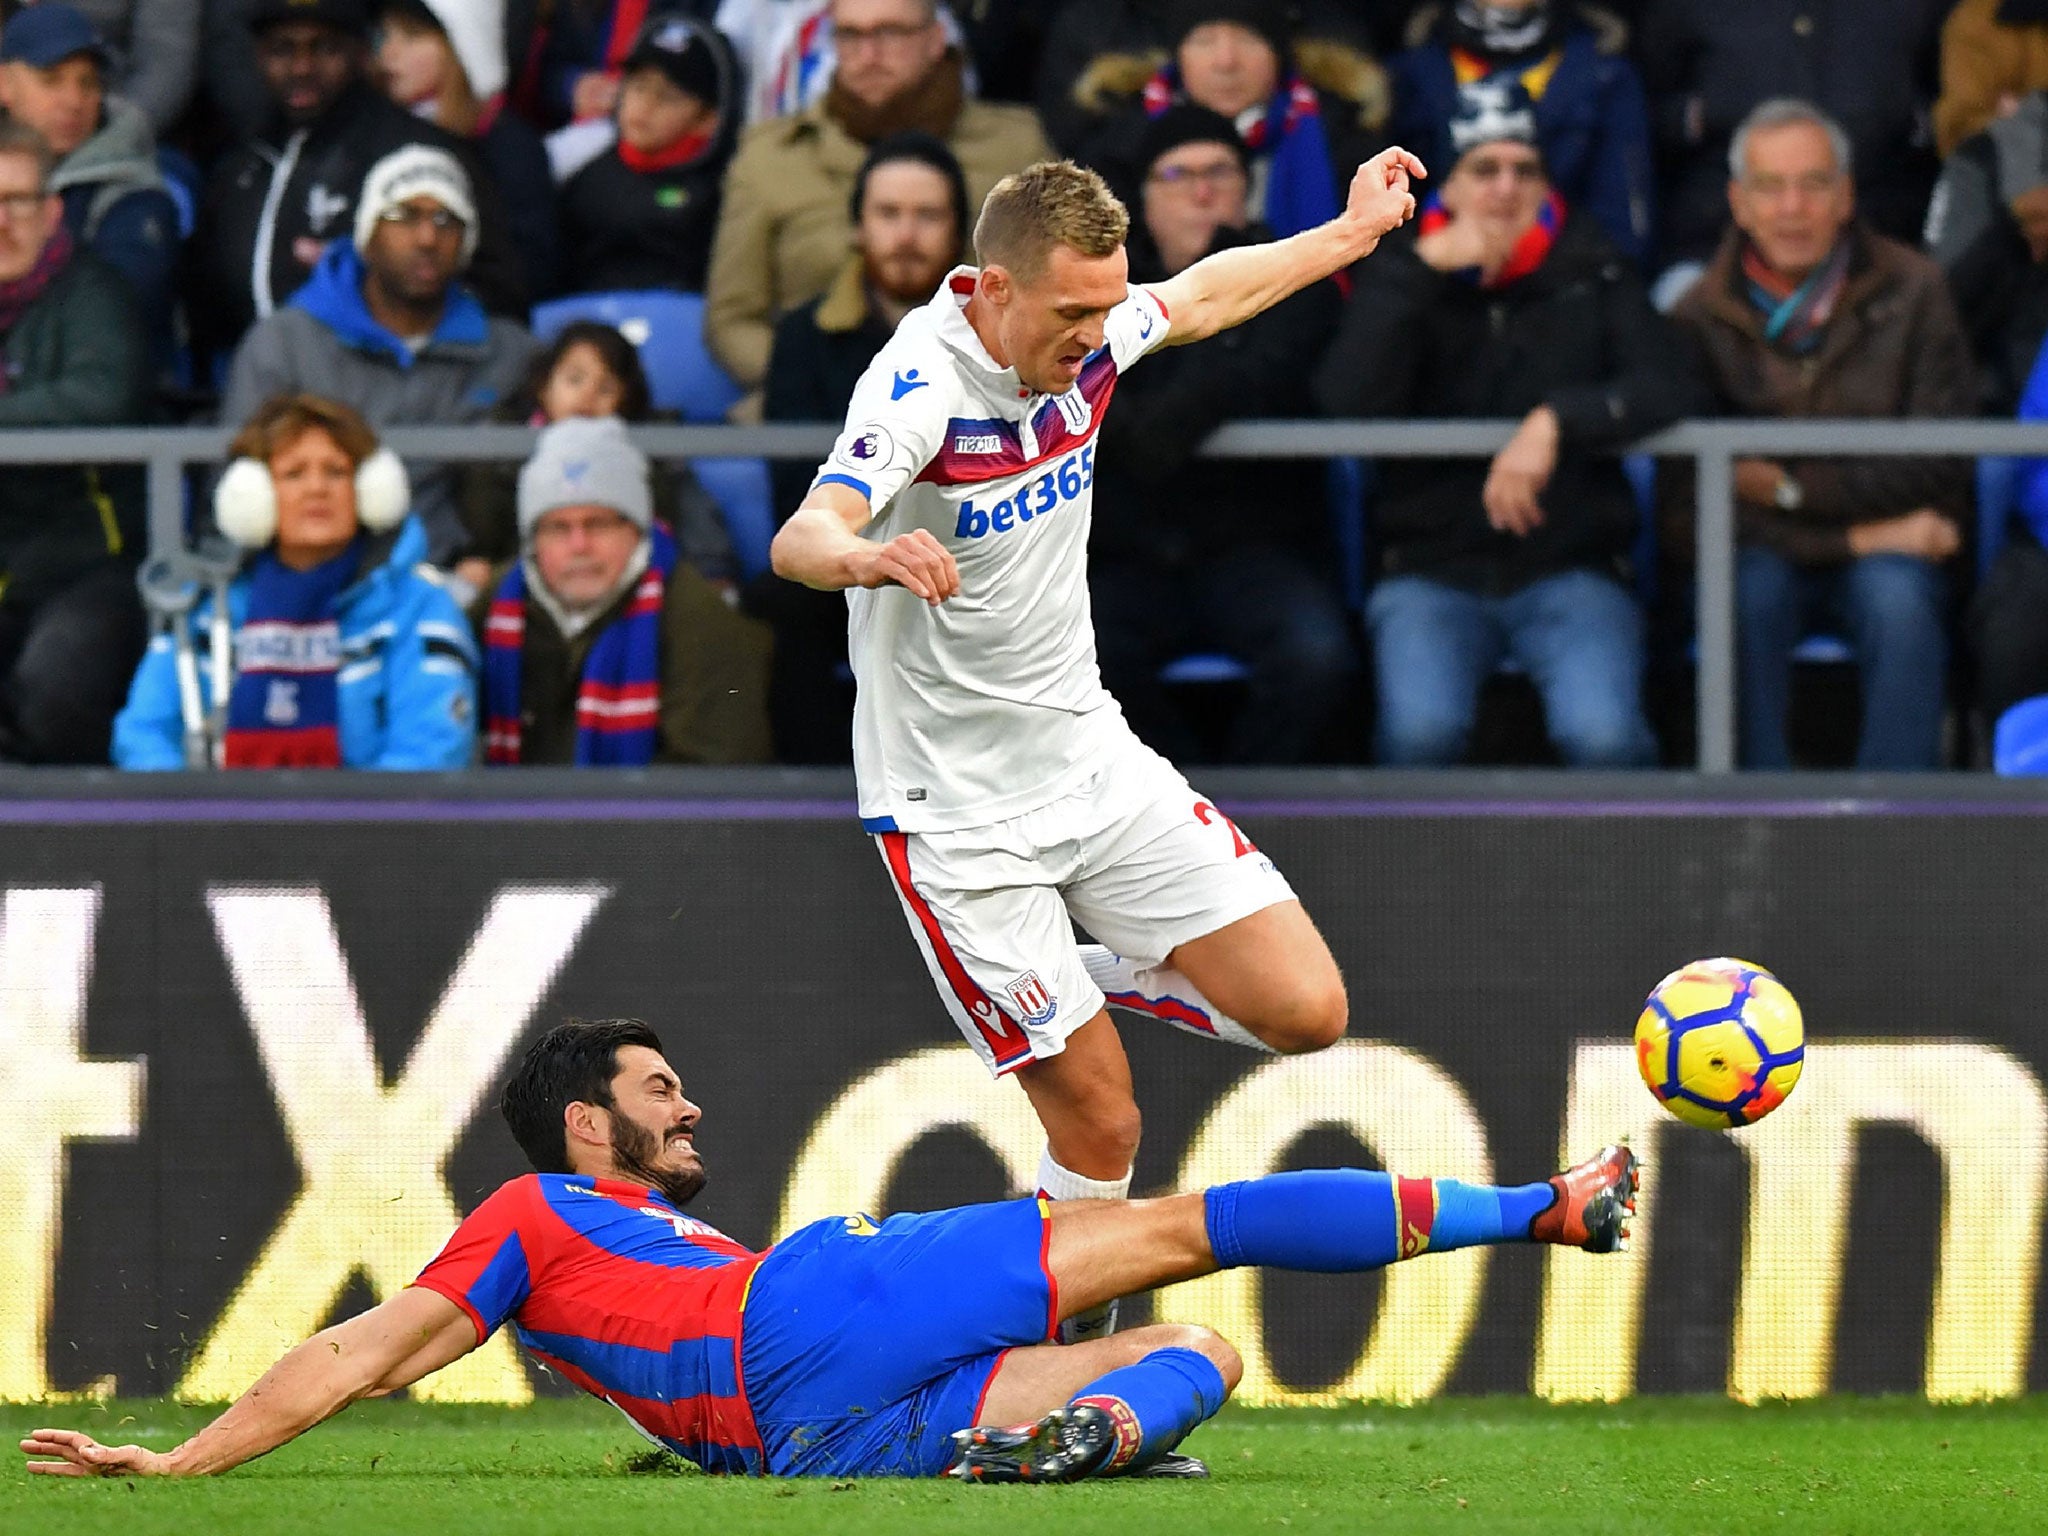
(675, 46)
(1268, 18)
(350, 16)
(417, 170)
(475, 29)
(1494, 110)
(1186, 123)
(584, 461)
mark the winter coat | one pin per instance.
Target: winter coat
(821, 350)
(247, 264)
(1870, 63)
(518, 162)
(1893, 349)
(76, 358)
(623, 228)
(1578, 335)
(1590, 115)
(1982, 59)
(2000, 289)
(714, 677)
(408, 671)
(1155, 502)
(155, 46)
(116, 205)
(326, 342)
(786, 225)
(2033, 473)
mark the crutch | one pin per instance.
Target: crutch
(169, 591)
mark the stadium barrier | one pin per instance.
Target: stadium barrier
(1713, 445)
(251, 1030)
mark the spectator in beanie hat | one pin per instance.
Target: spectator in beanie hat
(444, 60)
(1571, 62)
(643, 213)
(1504, 302)
(388, 327)
(601, 647)
(278, 201)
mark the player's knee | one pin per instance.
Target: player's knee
(1220, 1353)
(1100, 1140)
(1313, 1017)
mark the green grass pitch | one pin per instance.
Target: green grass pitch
(1857, 1467)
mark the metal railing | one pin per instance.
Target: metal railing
(1712, 445)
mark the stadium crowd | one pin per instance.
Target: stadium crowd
(314, 220)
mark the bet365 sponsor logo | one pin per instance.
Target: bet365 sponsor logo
(1048, 493)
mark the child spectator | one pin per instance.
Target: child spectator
(601, 647)
(336, 579)
(444, 60)
(642, 214)
(589, 370)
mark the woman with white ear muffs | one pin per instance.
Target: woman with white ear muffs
(348, 651)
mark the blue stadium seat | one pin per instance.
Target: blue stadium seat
(2019, 743)
(1204, 667)
(667, 329)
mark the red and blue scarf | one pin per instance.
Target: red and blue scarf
(284, 710)
(1530, 252)
(618, 707)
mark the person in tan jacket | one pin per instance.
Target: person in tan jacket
(1806, 313)
(786, 227)
(1993, 52)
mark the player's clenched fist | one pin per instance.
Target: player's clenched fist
(914, 560)
(80, 1455)
(1380, 198)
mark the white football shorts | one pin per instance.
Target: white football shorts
(1134, 855)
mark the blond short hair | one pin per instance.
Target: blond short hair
(1054, 202)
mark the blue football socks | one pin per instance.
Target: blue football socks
(1338, 1220)
(1153, 1404)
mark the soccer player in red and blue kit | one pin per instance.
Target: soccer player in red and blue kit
(852, 1347)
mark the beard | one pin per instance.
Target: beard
(637, 1150)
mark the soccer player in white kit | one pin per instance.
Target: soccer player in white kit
(1007, 794)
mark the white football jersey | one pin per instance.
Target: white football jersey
(990, 704)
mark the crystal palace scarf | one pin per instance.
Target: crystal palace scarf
(284, 710)
(618, 707)
(1530, 252)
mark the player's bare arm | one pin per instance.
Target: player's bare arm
(821, 547)
(1230, 287)
(374, 1353)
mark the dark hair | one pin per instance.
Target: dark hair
(573, 1063)
(636, 402)
(925, 150)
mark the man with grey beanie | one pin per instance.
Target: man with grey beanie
(601, 647)
(388, 326)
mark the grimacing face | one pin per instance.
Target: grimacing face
(653, 1127)
(1049, 323)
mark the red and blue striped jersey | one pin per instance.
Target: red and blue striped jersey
(611, 1287)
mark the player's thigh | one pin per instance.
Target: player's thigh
(1273, 973)
(1171, 869)
(850, 1320)
(997, 942)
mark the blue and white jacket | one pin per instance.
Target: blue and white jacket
(408, 671)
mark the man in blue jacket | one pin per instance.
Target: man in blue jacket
(387, 326)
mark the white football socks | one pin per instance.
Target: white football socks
(1059, 1183)
(1161, 992)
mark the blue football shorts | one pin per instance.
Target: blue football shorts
(866, 1345)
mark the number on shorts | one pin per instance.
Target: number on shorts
(1208, 815)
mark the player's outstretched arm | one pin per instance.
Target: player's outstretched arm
(390, 1346)
(821, 547)
(1230, 287)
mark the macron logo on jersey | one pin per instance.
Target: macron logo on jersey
(905, 382)
(977, 442)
